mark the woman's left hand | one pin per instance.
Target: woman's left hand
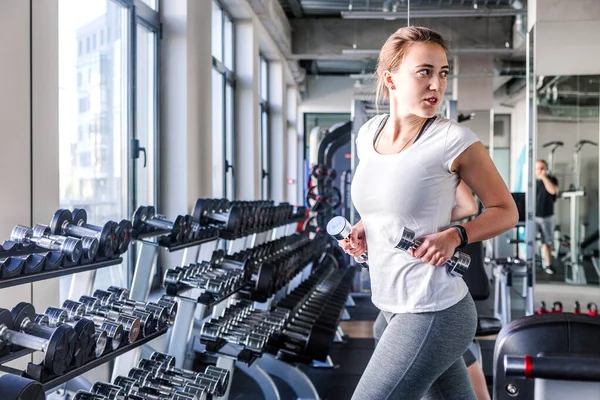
(437, 248)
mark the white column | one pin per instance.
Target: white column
(277, 127)
(247, 112)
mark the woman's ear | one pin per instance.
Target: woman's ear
(388, 80)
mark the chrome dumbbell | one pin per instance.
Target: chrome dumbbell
(339, 228)
(457, 265)
(70, 247)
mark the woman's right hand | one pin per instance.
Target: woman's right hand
(356, 243)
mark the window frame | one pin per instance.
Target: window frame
(229, 82)
(265, 131)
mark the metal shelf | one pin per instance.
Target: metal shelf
(50, 382)
(40, 276)
(178, 247)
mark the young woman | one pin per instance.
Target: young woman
(410, 165)
(465, 206)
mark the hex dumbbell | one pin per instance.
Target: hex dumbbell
(58, 350)
(66, 223)
(457, 265)
(70, 247)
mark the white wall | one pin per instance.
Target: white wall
(328, 94)
(29, 134)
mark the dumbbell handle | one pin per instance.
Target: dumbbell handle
(339, 228)
(160, 223)
(457, 265)
(23, 339)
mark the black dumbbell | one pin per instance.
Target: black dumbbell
(221, 213)
(67, 223)
(58, 352)
(70, 247)
(146, 216)
(91, 341)
(111, 392)
(124, 235)
(457, 265)
(83, 395)
(77, 311)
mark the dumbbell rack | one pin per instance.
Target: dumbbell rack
(35, 371)
(192, 313)
(190, 304)
(48, 269)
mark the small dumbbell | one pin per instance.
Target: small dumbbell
(131, 325)
(252, 341)
(76, 311)
(543, 309)
(142, 384)
(146, 215)
(592, 309)
(457, 265)
(153, 371)
(66, 223)
(170, 304)
(339, 228)
(70, 247)
(124, 235)
(89, 343)
(161, 315)
(168, 363)
(107, 303)
(217, 212)
(577, 309)
(82, 395)
(57, 350)
(112, 392)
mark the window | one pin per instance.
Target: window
(96, 123)
(265, 151)
(223, 91)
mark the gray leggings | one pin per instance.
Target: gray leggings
(381, 323)
(419, 356)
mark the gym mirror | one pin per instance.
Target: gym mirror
(567, 140)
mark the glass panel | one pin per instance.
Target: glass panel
(264, 80)
(217, 32)
(151, 3)
(93, 114)
(229, 139)
(217, 134)
(146, 117)
(264, 154)
(228, 43)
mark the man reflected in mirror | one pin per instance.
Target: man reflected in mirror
(546, 194)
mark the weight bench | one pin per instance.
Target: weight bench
(548, 356)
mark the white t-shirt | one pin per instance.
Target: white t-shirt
(415, 189)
